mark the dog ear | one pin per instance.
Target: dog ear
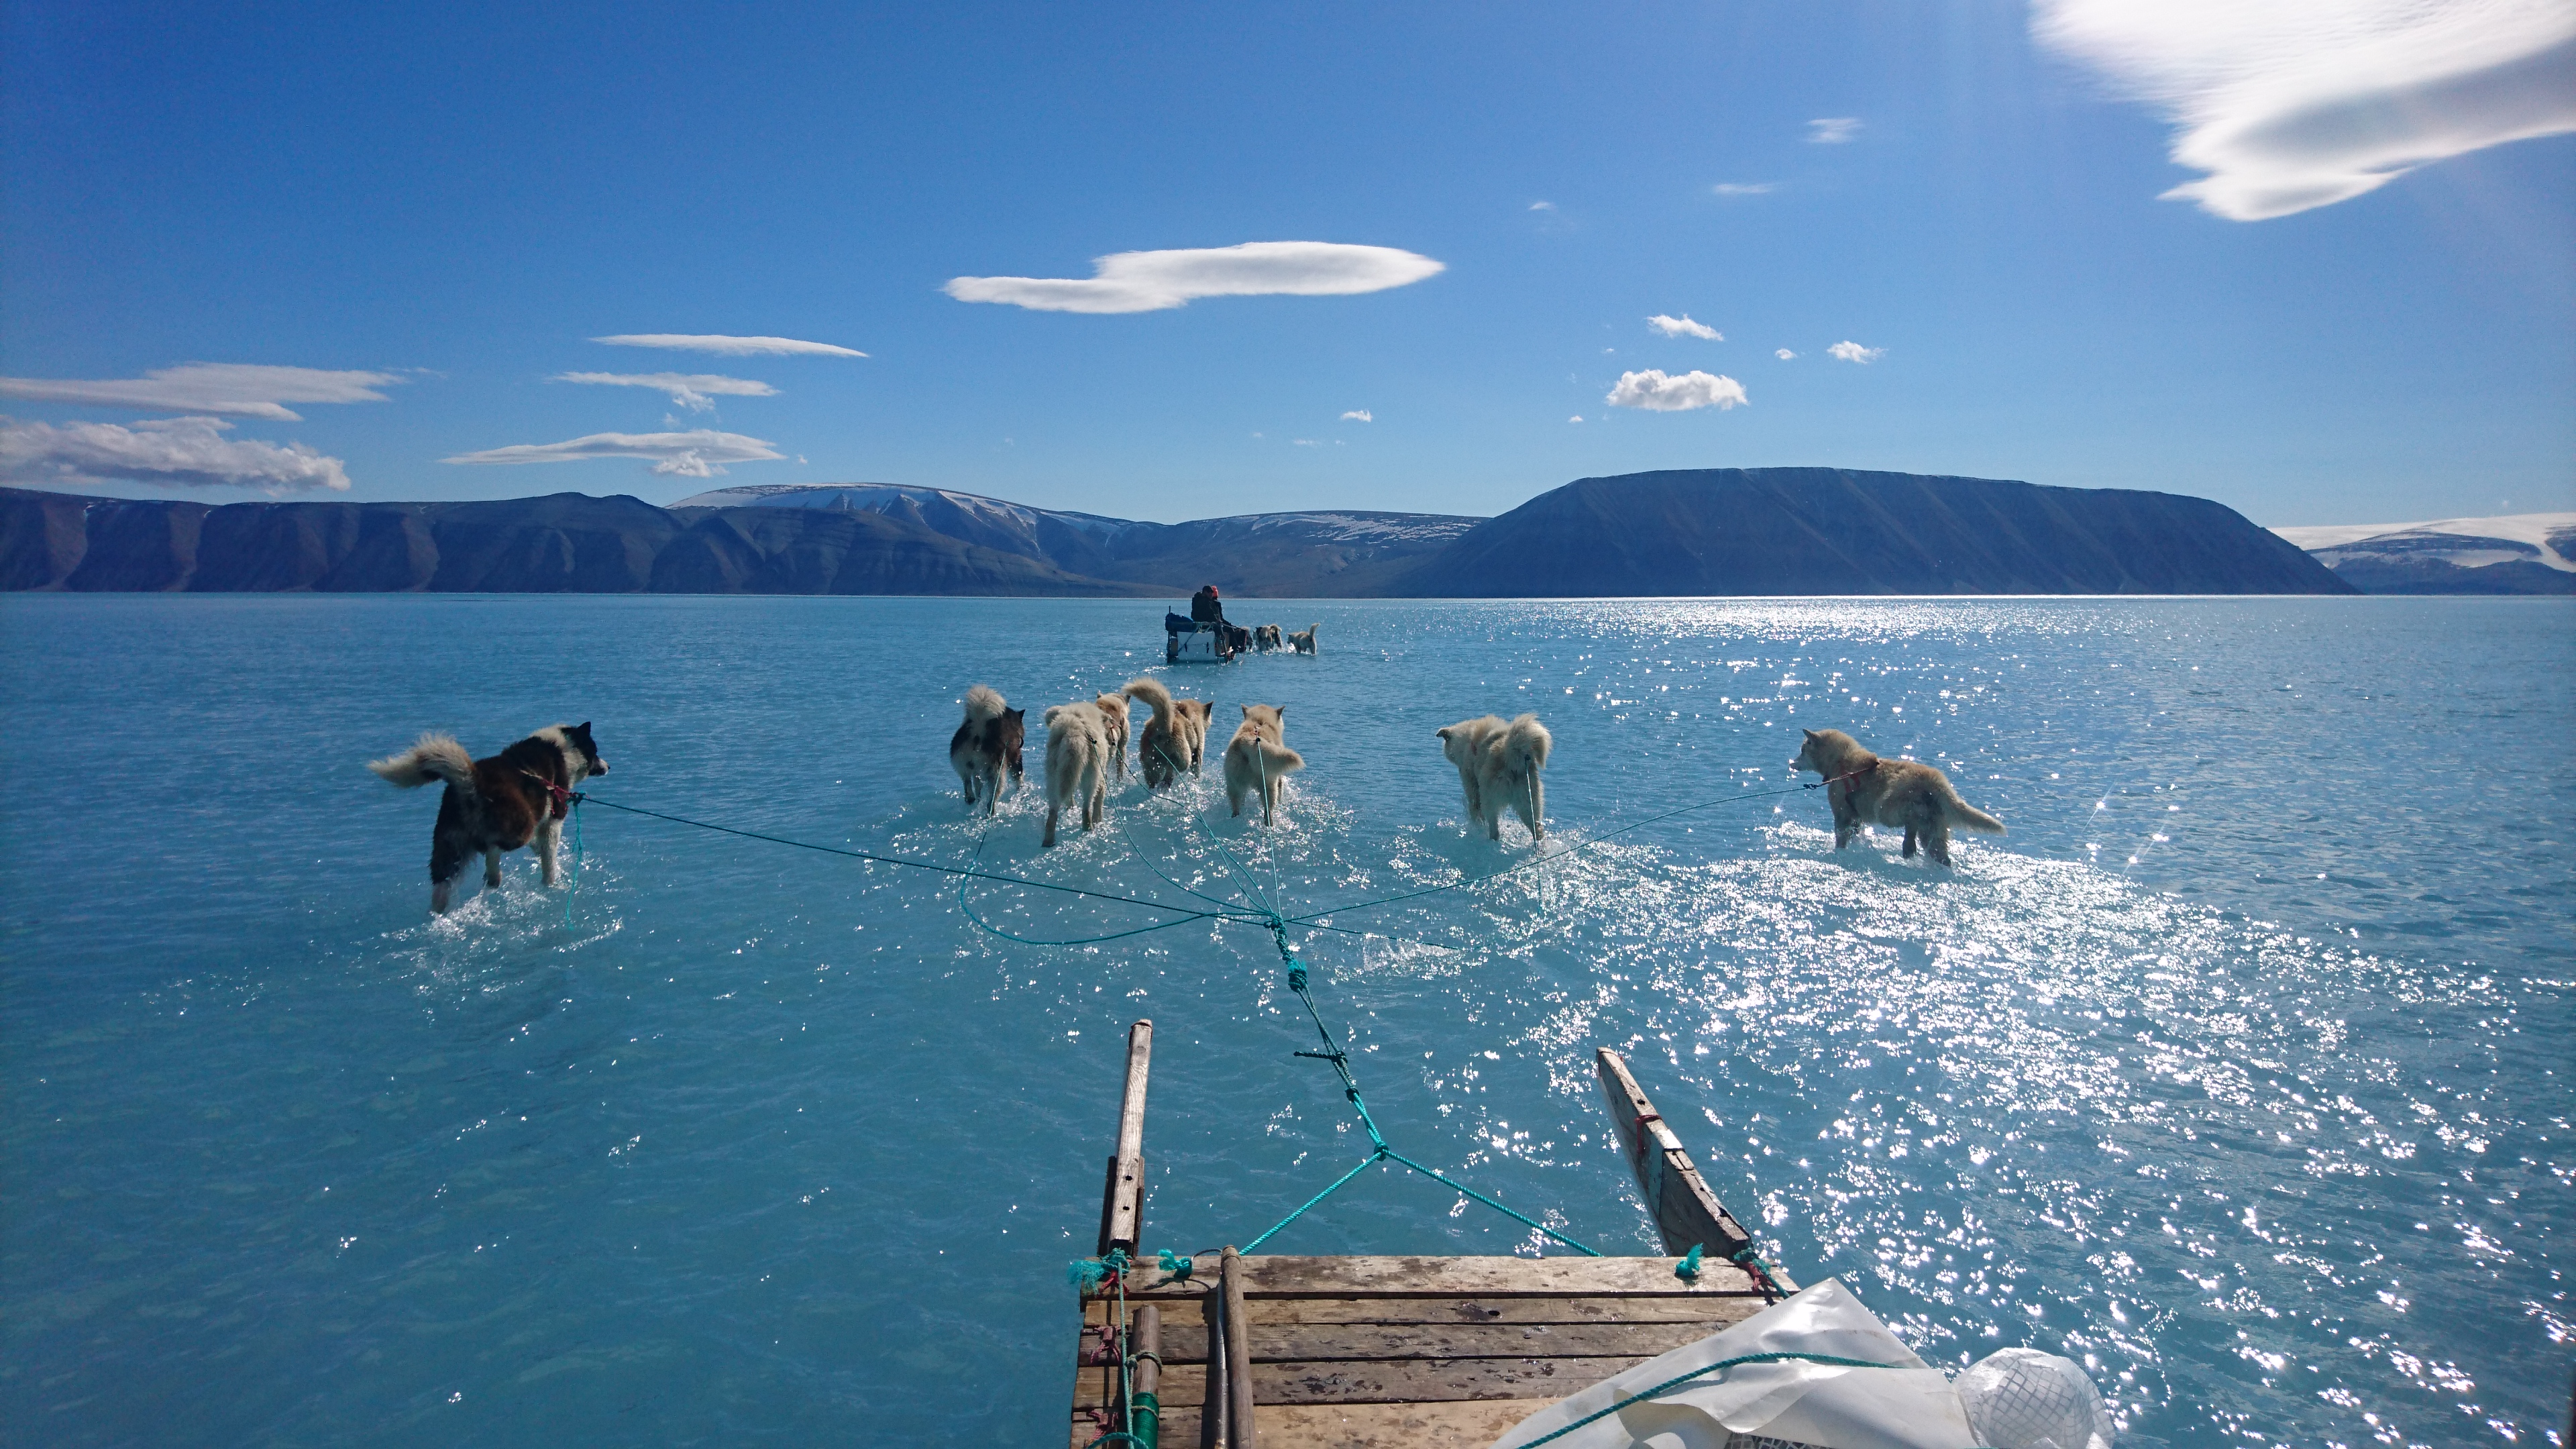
(1247, 711)
(1811, 734)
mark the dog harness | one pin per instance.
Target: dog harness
(562, 794)
(1847, 777)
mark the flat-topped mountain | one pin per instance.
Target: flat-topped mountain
(1714, 532)
(1841, 531)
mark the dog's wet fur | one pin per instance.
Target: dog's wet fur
(1303, 641)
(1113, 719)
(1175, 739)
(1265, 637)
(1077, 763)
(1866, 790)
(517, 797)
(986, 749)
(1499, 767)
(1257, 762)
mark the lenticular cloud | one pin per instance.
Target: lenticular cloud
(698, 453)
(172, 452)
(2297, 104)
(1155, 281)
(235, 389)
(1656, 393)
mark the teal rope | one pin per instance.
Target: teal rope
(972, 915)
(1675, 1382)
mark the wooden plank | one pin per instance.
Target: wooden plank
(1470, 1424)
(1478, 1277)
(1323, 1342)
(1386, 1381)
(1396, 1309)
(1122, 1211)
(1242, 1390)
(1211, 1377)
(1685, 1211)
(1146, 1378)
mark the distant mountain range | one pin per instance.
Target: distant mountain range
(1727, 531)
(2521, 553)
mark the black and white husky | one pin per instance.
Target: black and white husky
(985, 751)
(517, 797)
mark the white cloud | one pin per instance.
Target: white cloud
(1358, 415)
(1153, 281)
(1784, 354)
(1744, 188)
(1542, 206)
(1683, 326)
(1657, 393)
(174, 452)
(695, 391)
(2296, 104)
(1578, 417)
(1854, 352)
(698, 453)
(235, 389)
(1833, 130)
(718, 343)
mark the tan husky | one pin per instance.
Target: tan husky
(1175, 739)
(1256, 762)
(1077, 764)
(1866, 790)
(1498, 765)
(1113, 717)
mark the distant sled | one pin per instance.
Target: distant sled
(1187, 641)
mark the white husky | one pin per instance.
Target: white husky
(1077, 763)
(1498, 765)
(1257, 762)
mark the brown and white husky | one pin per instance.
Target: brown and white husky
(1257, 762)
(1866, 790)
(985, 751)
(1498, 766)
(1175, 739)
(514, 798)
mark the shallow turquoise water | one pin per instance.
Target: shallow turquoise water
(2238, 1070)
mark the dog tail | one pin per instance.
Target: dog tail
(1525, 744)
(1966, 816)
(1278, 760)
(1156, 698)
(984, 702)
(436, 757)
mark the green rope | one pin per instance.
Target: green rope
(1826, 1359)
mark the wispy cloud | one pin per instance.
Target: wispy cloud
(1154, 281)
(1358, 415)
(1683, 326)
(1833, 130)
(173, 452)
(1746, 188)
(1784, 354)
(725, 346)
(2289, 106)
(698, 453)
(1854, 352)
(1578, 417)
(695, 391)
(235, 389)
(1657, 393)
(1542, 206)
(1304, 442)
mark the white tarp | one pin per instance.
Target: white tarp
(1910, 1406)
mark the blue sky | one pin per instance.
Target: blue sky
(461, 198)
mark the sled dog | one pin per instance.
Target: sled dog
(1266, 638)
(985, 751)
(1499, 767)
(1077, 763)
(1864, 790)
(1175, 739)
(1303, 641)
(494, 805)
(1113, 720)
(1256, 762)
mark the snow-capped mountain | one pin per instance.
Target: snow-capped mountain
(2521, 553)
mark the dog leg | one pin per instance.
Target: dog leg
(491, 870)
(1909, 842)
(1052, 807)
(440, 892)
(1936, 842)
(549, 840)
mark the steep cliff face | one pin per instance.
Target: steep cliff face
(1773, 531)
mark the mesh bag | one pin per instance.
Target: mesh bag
(2020, 1398)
